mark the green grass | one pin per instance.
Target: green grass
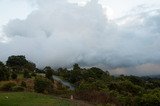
(31, 99)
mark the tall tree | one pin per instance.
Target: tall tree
(14, 75)
(76, 67)
(30, 66)
(16, 63)
(48, 72)
(19, 60)
(4, 72)
(75, 74)
(19, 63)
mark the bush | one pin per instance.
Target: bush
(43, 85)
(95, 97)
(26, 74)
(23, 84)
(8, 86)
(14, 75)
(152, 98)
(4, 72)
(125, 86)
(48, 73)
(18, 88)
(33, 74)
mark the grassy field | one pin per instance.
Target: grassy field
(31, 99)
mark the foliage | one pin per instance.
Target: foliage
(78, 74)
(63, 72)
(14, 75)
(42, 85)
(16, 61)
(26, 74)
(33, 74)
(75, 76)
(96, 97)
(19, 63)
(152, 98)
(18, 88)
(94, 74)
(39, 70)
(4, 72)
(23, 84)
(8, 86)
(76, 67)
(97, 86)
(48, 72)
(125, 86)
(30, 66)
(92, 84)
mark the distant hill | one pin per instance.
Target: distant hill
(155, 76)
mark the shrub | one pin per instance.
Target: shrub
(33, 74)
(14, 75)
(48, 73)
(26, 74)
(152, 98)
(18, 88)
(42, 85)
(8, 86)
(125, 86)
(23, 84)
(4, 72)
(95, 97)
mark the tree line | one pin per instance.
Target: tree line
(91, 84)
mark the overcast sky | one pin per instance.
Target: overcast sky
(122, 36)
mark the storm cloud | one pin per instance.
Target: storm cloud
(60, 33)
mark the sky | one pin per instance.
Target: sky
(121, 36)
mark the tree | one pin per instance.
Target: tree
(14, 75)
(16, 62)
(152, 98)
(76, 67)
(26, 74)
(94, 73)
(48, 72)
(42, 85)
(75, 75)
(19, 60)
(125, 87)
(39, 70)
(63, 72)
(1, 64)
(19, 63)
(30, 66)
(4, 72)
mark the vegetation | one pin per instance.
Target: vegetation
(98, 86)
(43, 85)
(4, 72)
(26, 74)
(93, 84)
(14, 75)
(8, 86)
(48, 72)
(31, 99)
(18, 88)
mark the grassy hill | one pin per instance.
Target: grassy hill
(31, 99)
